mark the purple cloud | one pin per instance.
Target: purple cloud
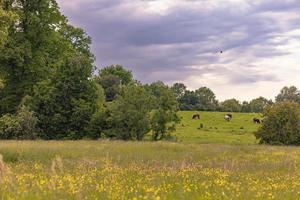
(173, 43)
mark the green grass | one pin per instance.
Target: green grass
(220, 161)
(216, 130)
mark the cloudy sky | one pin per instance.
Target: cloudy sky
(181, 40)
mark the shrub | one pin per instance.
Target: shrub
(19, 126)
(27, 122)
(281, 125)
(9, 127)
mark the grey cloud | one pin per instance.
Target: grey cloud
(166, 46)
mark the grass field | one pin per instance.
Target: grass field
(220, 161)
(216, 130)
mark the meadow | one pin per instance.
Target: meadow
(219, 161)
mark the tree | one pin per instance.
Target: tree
(66, 104)
(6, 18)
(281, 124)
(130, 113)
(246, 107)
(23, 125)
(164, 116)
(33, 50)
(179, 90)
(207, 99)
(259, 104)
(124, 75)
(288, 94)
(189, 101)
(111, 85)
(231, 105)
(111, 78)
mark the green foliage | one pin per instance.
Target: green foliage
(130, 113)
(9, 127)
(189, 101)
(281, 124)
(289, 94)
(32, 51)
(207, 99)
(246, 107)
(124, 75)
(202, 99)
(19, 126)
(111, 78)
(66, 104)
(111, 85)
(28, 123)
(231, 105)
(164, 116)
(179, 90)
(6, 19)
(259, 105)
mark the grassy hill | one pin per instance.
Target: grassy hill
(215, 129)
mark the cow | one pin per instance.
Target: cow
(256, 121)
(196, 116)
(228, 117)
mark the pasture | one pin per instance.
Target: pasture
(219, 161)
(215, 129)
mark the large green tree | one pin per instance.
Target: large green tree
(189, 101)
(37, 44)
(178, 89)
(164, 115)
(281, 124)
(46, 64)
(231, 105)
(207, 99)
(130, 113)
(66, 104)
(288, 94)
(259, 104)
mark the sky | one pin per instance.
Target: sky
(180, 41)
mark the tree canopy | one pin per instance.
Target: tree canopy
(281, 124)
(6, 19)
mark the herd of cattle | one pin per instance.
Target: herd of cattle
(228, 117)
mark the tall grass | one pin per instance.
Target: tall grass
(147, 170)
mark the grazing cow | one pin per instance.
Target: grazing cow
(196, 116)
(256, 121)
(228, 118)
(230, 115)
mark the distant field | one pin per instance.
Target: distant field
(216, 130)
(147, 170)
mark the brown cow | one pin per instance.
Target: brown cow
(196, 116)
(256, 121)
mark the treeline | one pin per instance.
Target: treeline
(204, 99)
(49, 89)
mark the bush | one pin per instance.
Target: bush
(27, 122)
(281, 125)
(19, 126)
(9, 127)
